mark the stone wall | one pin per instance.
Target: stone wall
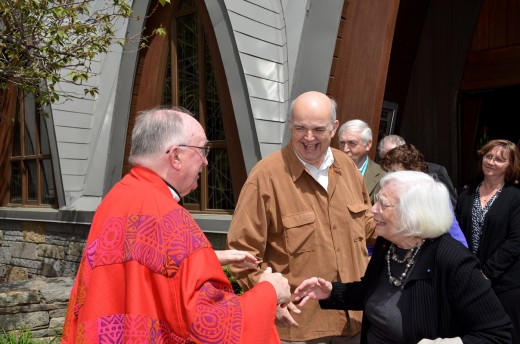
(31, 249)
(38, 305)
(38, 263)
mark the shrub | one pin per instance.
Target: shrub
(24, 336)
(236, 287)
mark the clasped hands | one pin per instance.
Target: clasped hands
(311, 289)
(314, 288)
(246, 260)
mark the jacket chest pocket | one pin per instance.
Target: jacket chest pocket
(300, 232)
(357, 214)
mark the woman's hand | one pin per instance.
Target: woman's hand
(314, 288)
(240, 259)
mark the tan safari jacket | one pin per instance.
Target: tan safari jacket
(285, 217)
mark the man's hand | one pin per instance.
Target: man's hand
(240, 259)
(283, 316)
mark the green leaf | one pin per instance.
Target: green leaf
(57, 36)
(160, 31)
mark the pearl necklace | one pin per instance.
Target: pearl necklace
(409, 258)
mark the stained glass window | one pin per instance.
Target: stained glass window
(190, 82)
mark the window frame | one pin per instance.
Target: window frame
(26, 110)
(149, 86)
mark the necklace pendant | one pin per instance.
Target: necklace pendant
(394, 281)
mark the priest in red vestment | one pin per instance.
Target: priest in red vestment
(148, 273)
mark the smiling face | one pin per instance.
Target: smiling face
(311, 127)
(350, 142)
(189, 161)
(385, 212)
(495, 164)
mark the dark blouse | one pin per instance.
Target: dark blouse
(498, 249)
(478, 214)
(383, 312)
(445, 296)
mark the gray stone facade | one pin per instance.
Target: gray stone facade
(38, 263)
(31, 250)
(38, 305)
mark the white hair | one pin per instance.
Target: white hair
(394, 140)
(424, 207)
(359, 125)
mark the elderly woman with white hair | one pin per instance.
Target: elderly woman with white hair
(420, 286)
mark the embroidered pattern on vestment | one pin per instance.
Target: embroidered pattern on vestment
(161, 245)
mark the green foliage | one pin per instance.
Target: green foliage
(43, 42)
(236, 287)
(24, 336)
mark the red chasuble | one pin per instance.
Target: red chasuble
(149, 275)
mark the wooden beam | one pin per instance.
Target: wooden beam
(491, 68)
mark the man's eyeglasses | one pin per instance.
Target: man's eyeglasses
(350, 143)
(317, 131)
(204, 151)
(383, 204)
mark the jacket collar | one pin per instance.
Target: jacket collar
(296, 168)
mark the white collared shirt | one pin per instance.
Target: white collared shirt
(320, 174)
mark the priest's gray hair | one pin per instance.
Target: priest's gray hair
(155, 130)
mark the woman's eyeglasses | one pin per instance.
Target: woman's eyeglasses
(496, 159)
(382, 203)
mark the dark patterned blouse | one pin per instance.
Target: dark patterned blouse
(478, 214)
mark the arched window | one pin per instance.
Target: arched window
(26, 163)
(185, 70)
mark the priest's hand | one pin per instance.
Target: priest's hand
(280, 284)
(284, 317)
(240, 259)
(314, 288)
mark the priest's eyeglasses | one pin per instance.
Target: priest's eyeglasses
(204, 151)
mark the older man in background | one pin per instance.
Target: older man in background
(437, 171)
(355, 139)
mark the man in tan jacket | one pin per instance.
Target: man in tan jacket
(304, 210)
